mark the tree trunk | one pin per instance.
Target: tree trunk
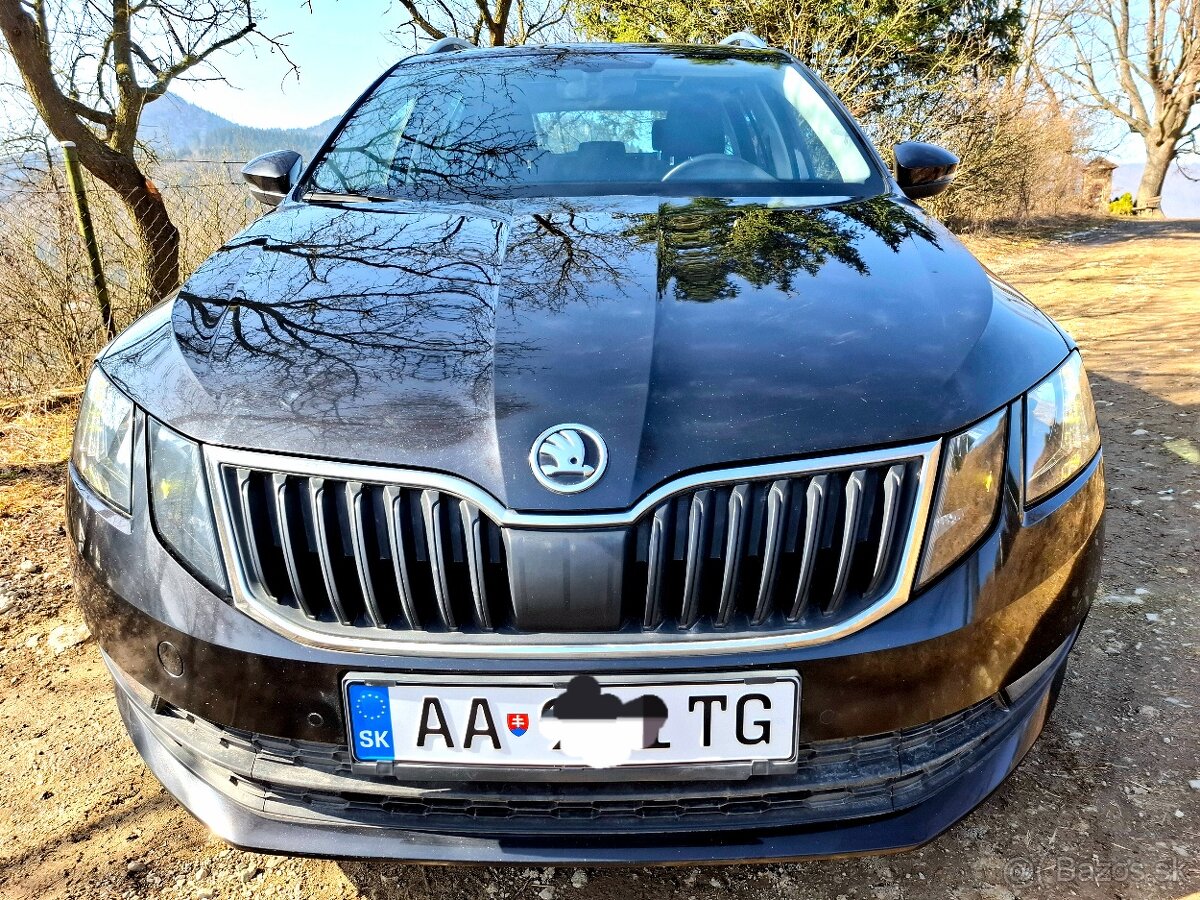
(156, 234)
(158, 237)
(1149, 194)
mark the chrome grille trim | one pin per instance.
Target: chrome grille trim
(404, 589)
(814, 505)
(279, 487)
(734, 539)
(358, 539)
(891, 511)
(435, 489)
(855, 487)
(431, 511)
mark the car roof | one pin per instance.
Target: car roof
(699, 51)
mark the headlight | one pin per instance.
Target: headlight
(103, 449)
(1061, 435)
(180, 505)
(968, 492)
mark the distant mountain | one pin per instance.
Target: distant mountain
(182, 130)
(1180, 195)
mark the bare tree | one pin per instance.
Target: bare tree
(1138, 62)
(90, 69)
(494, 22)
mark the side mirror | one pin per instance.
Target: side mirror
(923, 170)
(272, 175)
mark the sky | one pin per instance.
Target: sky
(341, 46)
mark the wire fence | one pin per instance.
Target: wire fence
(51, 320)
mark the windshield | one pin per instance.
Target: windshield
(572, 123)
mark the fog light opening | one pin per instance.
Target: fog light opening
(172, 662)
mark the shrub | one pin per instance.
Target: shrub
(1021, 159)
(1122, 206)
(48, 310)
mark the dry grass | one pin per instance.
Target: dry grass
(34, 445)
(1028, 233)
(37, 437)
(48, 311)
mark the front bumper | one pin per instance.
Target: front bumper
(909, 723)
(882, 794)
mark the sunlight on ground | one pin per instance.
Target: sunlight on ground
(36, 438)
(32, 442)
(1124, 295)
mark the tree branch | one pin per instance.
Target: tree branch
(191, 60)
(421, 22)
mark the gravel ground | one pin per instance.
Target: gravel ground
(1106, 805)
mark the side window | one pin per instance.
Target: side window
(823, 129)
(366, 149)
(761, 141)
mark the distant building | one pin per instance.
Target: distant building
(1097, 183)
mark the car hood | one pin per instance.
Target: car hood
(689, 334)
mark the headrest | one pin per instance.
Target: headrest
(601, 149)
(685, 133)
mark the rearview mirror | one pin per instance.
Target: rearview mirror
(923, 170)
(272, 175)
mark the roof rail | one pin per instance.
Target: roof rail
(744, 39)
(449, 44)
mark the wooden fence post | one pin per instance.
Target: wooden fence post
(79, 195)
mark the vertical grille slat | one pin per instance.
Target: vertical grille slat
(814, 518)
(694, 565)
(279, 488)
(333, 552)
(656, 561)
(777, 500)
(393, 502)
(243, 492)
(893, 485)
(735, 532)
(435, 540)
(316, 501)
(855, 487)
(473, 532)
(358, 540)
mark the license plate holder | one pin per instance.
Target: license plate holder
(717, 725)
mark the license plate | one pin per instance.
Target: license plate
(573, 722)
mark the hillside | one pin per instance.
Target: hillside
(176, 128)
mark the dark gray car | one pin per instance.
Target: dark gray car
(595, 455)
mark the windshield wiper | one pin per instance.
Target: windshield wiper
(346, 197)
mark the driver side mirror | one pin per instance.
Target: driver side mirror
(272, 175)
(923, 170)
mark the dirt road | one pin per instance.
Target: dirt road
(1101, 808)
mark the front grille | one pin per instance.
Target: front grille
(369, 555)
(804, 552)
(835, 779)
(354, 554)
